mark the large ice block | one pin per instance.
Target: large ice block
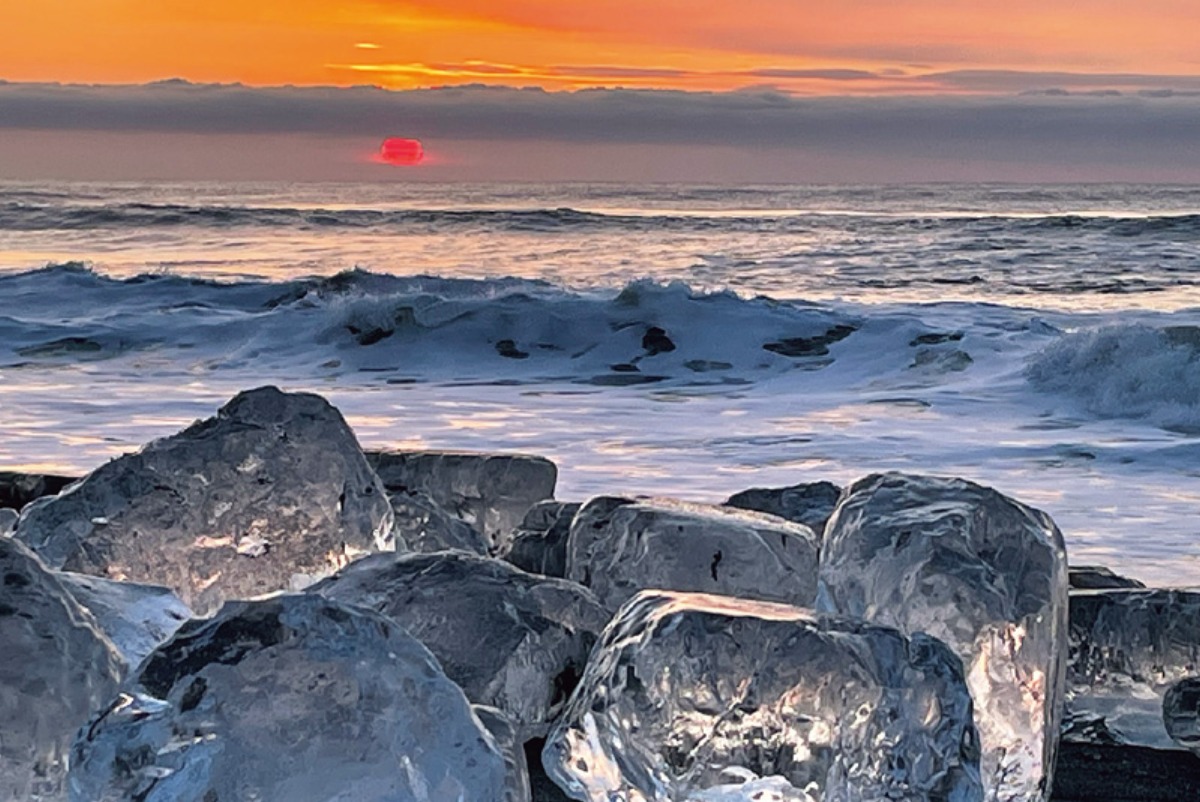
(1129, 648)
(698, 697)
(289, 699)
(56, 667)
(620, 546)
(265, 496)
(984, 574)
(489, 491)
(136, 618)
(512, 640)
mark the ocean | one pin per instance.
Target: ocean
(686, 341)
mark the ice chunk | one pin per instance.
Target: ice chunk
(809, 504)
(268, 494)
(422, 525)
(698, 697)
(294, 698)
(136, 618)
(8, 521)
(512, 640)
(1129, 647)
(539, 545)
(489, 491)
(55, 669)
(983, 573)
(1181, 713)
(618, 547)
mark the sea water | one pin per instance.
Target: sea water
(687, 341)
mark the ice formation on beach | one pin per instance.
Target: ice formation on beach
(269, 494)
(1181, 713)
(489, 491)
(1131, 648)
(56, 668)
(420, 524)
(698, 697)
(136, 618)
(293, 698)
(984, 574)
(512, 640)
(620, 546)
(539, 544)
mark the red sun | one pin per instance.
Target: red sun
(401, 152)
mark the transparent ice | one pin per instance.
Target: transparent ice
(620, 546)
(136, 618)
(539, 544)
(511, 640)
(265, 496)
(289, 699)
(984, 574)
(698, 697)
(56, 667)
(491, 492)
(1181, 713)
(1129, 647)
(421, 525)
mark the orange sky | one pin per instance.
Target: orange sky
(686, 44)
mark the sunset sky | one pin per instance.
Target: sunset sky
(857, 90)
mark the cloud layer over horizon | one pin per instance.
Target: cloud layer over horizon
(1150, 131)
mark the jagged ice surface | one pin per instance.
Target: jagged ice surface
(290, 699)
(620, 546)
(420, 524)
(491, 492)
(136, 618)
(698, 697)
(56, 667)
(269, 494)
(1129, 648)
(512, 640)
(984, 574)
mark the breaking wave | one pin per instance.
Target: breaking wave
(1127, 371)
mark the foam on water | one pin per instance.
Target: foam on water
(1127, 371)
(684, 342)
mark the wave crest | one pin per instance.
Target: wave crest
(1129, 371)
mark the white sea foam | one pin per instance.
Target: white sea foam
(1032, 338)
(1127, 371)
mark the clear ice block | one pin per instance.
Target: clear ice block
(620, 546)
(512, 640)
(289, 699)
(984, 574)
(1129, 648)
(56, 667)
(698, 697)
(268, 495)
(136, 618)
(491, 492)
